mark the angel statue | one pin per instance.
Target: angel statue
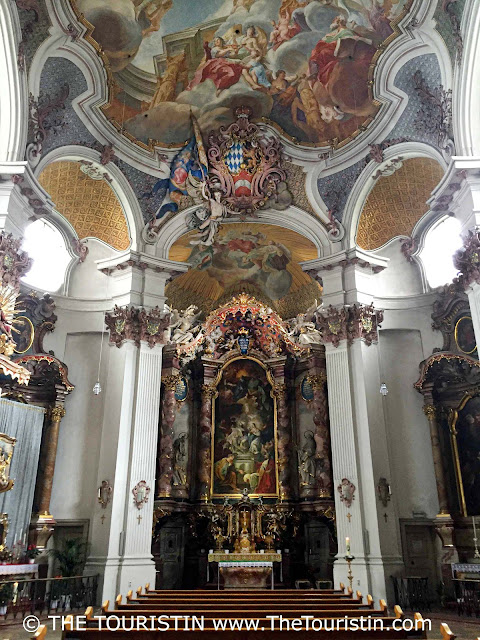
(208, 220)
(182, 329)
(303, 329)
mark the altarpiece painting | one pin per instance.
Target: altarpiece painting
(244, 432)
(466, 449)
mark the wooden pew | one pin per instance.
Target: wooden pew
(41, 632)
(446, 633)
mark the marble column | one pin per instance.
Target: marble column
(204, 459)
(165, 466)
(283, 440)
(322, 433)
(431, 415)
(204, 442)
(43, 523)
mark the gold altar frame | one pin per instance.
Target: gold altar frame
(275, 428)
(452, 422)
(3, 530)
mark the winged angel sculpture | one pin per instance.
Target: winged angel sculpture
(302, 329)
(183, 324)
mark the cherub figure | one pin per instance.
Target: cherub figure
(208, 228)
(242, 4)
(182, 324)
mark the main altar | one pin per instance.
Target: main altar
(244, 464)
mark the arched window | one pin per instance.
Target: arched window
(46, 246)
(437, 255)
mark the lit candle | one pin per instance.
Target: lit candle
(347, 540)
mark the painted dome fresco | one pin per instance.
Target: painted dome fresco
(304, 66)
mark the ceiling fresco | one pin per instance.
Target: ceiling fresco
(89, 204)
(303, 65)
(397, 202)
(256, 258)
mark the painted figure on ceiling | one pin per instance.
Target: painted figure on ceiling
(270, 55)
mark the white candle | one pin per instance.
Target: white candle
(347, 540)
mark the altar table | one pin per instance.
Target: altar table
(261, 565)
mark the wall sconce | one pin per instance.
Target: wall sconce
(384, 491)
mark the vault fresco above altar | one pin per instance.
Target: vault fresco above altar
(258, 258)
(303, 65)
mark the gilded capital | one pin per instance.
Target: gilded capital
(430, 411)
(279, 389)
(209, 390)
(318, 380)
(57, 413)
(170, 382)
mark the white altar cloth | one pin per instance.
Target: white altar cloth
(17, 569)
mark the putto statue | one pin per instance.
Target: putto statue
(183, 325)
(302, 329)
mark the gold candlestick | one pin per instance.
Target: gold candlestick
(349, 559)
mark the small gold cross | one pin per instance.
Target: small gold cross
(139, 517)
(102, 519)
(349, 516)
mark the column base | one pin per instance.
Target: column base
(447, 553)
(370, 576)
(118, 576)
(42, 526)
(135, 572)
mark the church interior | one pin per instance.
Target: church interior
(239, 312)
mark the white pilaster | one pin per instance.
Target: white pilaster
(108, 524)
(137, 566)
(345, 465)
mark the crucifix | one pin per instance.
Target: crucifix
(349, 516)
(139, 517)
(102, 519)
(385, 515)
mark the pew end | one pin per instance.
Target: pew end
(129, 595)
(446, 632)
(89, 613)
(350, 592)
(398, 612)
(105, 606)
(68, 623)
(359, 596)
(420, 624)
(139, 592)
(118, 600)
(342, 587)
(147, 587)
(370, 601)
(383, 607)
(41, 632)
